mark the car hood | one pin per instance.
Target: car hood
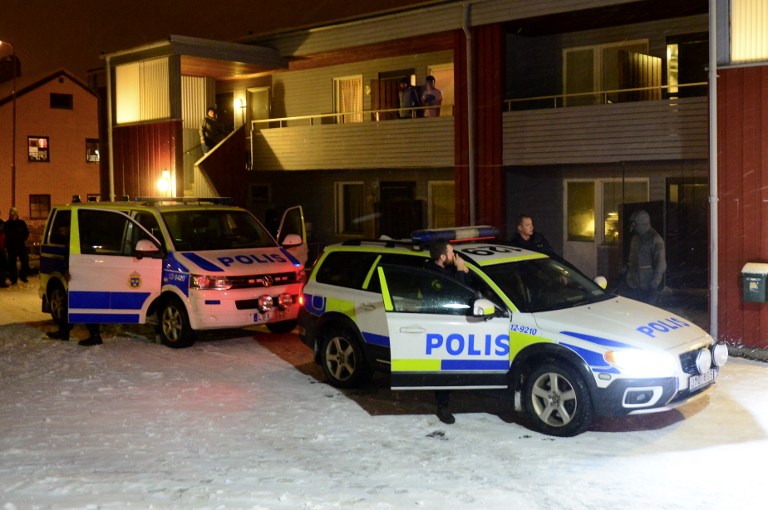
(623, 322)
(238, 262)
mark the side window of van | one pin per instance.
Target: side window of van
(59, 233)
(102, 232)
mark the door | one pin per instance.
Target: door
(259, 103)
(108, 282)
(435, 339)
(293, 223)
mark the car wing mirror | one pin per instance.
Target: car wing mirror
(146, 248)
(292, 240)
(483, 308)
(601, 282)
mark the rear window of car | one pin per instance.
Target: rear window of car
(345, 269)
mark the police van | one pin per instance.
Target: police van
(563, 348)
(185, 265)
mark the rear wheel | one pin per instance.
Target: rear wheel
(557, 401)
(57, 301)
(174, 327)
(342, 360)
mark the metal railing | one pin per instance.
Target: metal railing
(599, 97)
(416, 112)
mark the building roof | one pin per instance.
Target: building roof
(24, 86)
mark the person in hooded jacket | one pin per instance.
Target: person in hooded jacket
(647, 261)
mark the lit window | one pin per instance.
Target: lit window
(348, 98)
(38, 150)
(92, 150)
(749, 31)
(616, 193)
(581, 211)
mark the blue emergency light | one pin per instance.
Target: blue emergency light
(455, 234)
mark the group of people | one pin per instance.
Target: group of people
(14, 255)
(642, 278)
(411, 99)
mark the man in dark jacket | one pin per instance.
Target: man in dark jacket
(16, 234)
(527, 239)
(647, 260)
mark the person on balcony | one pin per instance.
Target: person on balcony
(409, 99)
(211, 131)
(431, 96)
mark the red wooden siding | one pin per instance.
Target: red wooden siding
(142, 152)
(488, 45)
(743, 199)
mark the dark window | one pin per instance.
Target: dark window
(102, 232)
(401, 260)
(426, 291)
(346, 269)
(61, 101)
(59, 232)
(92, 150)
(37, 149)
(39, 206)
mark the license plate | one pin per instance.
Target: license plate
(697, 381)
(269, 316)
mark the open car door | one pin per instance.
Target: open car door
(292, 230)
(441, 334)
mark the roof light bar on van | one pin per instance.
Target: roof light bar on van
(457, 234)
(186, 200)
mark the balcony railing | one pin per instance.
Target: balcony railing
(446, 110)
(606, 97)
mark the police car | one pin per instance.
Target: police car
(566, 348)
(182, 264)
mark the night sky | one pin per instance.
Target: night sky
(72, 34)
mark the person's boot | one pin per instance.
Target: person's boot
(445, 415)
(59, 334)
(91, 340)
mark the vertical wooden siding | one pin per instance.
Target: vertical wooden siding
(743, 195)
(142, 152)
(488, 48)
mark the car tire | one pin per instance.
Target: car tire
(557, 401)
(173, 324)
(58, 302)
(342, 359)
(282, 326)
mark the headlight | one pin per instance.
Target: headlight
(637, 363)
(265, 303)
(284, 301)
(205, 282)
(720, 355)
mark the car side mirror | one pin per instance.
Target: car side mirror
(146, 248)
(483, 308)
(601, 281)
(292, 240)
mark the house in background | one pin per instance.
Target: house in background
(56, 148)
(577, 112)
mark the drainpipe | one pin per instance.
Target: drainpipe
(470, 116)
(713, 193)
(110, 154)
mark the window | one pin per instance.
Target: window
(59, 231)
(102, 232)
(581, 211)
(39, 206)
(350, 201)
(687, 62)
(92, 150)
(615, 194)
(61, 101)
(425, 291)
(749, 31)
(346, 269)
(37, 147)
(594, 74)
(348, 99)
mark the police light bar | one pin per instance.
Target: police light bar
(463, 234)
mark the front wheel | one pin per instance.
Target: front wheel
(174, 327)
(342, 360)
(557, 401)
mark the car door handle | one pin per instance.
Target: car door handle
(412, 329)
(368, 307)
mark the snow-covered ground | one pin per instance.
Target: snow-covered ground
(244, 421)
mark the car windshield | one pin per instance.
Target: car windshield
(212, 229)
(541, 285)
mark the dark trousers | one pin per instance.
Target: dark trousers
(15, 273)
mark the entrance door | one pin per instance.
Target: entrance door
(258, 102)
(110, 282)
(436, 341)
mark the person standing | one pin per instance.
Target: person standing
(431, 96)
(409, 99)
(647, 260)
(16, 235)
(446, 262)
(528, 239)
(3, 257)
(211, 132)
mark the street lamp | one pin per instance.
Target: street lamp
(13, 124)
